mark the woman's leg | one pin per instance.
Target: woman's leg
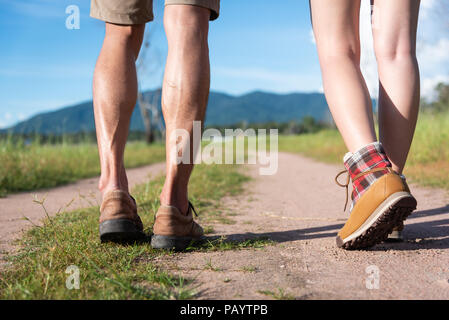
(394, 33)
(380, 200)
(336, 29)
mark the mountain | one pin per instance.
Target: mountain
(223, 109)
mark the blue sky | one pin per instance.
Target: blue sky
(254, 45)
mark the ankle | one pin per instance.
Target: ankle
(363, 160)
(180, 202)
(106, 186)
(369, 157)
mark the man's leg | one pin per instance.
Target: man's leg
(184, 98)
(185, 89)
(115, 94)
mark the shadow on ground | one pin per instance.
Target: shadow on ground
(417, 235)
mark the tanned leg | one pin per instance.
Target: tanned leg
(115, 95)
(185, 89)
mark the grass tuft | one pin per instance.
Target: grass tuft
(35, 166)
(428, 161)
(223, 244)
(111, 271)
(279, 295)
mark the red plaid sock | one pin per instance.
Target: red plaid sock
(369, 157)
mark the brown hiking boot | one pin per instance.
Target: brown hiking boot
(174, 230)
(381, 199)
(119, 221)
(396, 234)
(381, 208)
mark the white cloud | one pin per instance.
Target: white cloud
(433, 60)
(368, 60)
(434, 54)
(21, 116)
(428, 85)
(312, 36)
(427, 6)
(6, 120)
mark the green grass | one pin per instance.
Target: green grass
(325, 145)
(110, 271)
(428, 161)
(279, 295)
(209, 266)
(223, 244)
(249, 269)
(35, 166)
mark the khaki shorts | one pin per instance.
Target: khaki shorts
(141, 11)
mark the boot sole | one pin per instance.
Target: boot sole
(381, 223)
(120, 231)
(171, 242)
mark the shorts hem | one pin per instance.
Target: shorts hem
(125, 19)
(212, 5)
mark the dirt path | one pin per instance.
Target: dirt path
(19, 211)
(300, 208)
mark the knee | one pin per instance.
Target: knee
(394, 52)
(186, 23)
(335, 52)
(130, 36)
